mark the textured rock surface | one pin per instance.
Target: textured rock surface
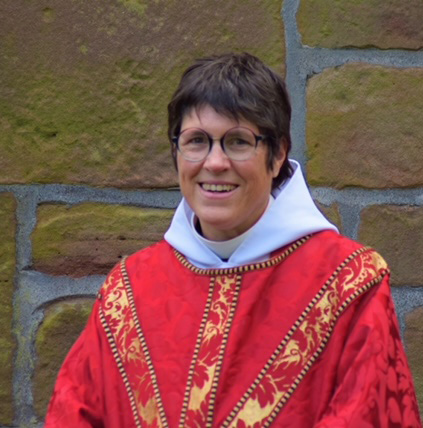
(61, 327)
(85, 85)
(396, 231)
(364, 127)
(90, 238)
(7, 269)
(379, 23)
(331, 212)
(83, 92)
(414, 345)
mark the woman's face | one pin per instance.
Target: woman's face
(227, 196)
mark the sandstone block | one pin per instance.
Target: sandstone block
(7, 270)
(364, 127)
(376, 23)
(414, 347)
(90, 238)
(395, 231)
(62, 324)
(331, 212)
(88, 104)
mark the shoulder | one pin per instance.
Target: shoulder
(159, 248)
(334, 243)
(151, 257)
(145, 267)
(346, 274)
(331, 255)
(154, 256)
(333, 247)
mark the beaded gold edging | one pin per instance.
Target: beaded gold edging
(245, 268)
(216, 378)
(322, 346)
(144, 346)
(120, 366)
(293, 329)
(195, 355)
(217, 297)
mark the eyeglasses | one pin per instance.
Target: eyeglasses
(238, 143)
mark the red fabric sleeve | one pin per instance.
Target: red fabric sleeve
(77, 400)
(375, 387)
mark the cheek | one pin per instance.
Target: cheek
(180, 167)
(187, 172)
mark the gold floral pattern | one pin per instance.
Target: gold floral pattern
(204, 379)
(119, 319)
(280, 376)
(306, 340)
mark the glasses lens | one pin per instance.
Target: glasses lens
(193, 144)
(239, 143)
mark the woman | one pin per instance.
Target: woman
(253, 311)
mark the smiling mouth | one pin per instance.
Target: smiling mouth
(220, 188)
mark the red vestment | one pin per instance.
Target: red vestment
(308, 338)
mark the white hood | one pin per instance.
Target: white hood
(291, 216)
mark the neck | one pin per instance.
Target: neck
(223, 248)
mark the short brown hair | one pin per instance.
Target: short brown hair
(240, 86)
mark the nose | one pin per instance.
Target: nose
(217, 160)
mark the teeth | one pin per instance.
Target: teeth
(218, 187)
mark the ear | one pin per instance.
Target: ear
(279, 159)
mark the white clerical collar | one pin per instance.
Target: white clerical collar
(291, 216)
(224, 249)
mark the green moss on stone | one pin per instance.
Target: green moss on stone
(363, 127)
(414, 347)
(332, 213)
(87, 130)
(7, 270)
(62, 324)
(392, 230)
(84, 50)
(138, 6)
(90, 238)
(48, 14)
(89, 105)
(343, 23)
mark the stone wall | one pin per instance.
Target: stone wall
(85, 171)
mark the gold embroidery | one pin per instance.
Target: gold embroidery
(158, 401)
(207, 363)
(306, 340)
(119, 319)
(283, 372)
(111, 339)
(245, 268)
(196, 352)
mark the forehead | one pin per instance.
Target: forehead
(207, 118)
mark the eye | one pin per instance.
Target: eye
(238, 142)
(193, 141)
(193, 138)
(241, 142)
(199, 139)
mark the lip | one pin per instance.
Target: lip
(217, 195)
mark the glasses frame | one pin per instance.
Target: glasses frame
(258, 138)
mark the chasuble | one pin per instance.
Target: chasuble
(308, 338)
